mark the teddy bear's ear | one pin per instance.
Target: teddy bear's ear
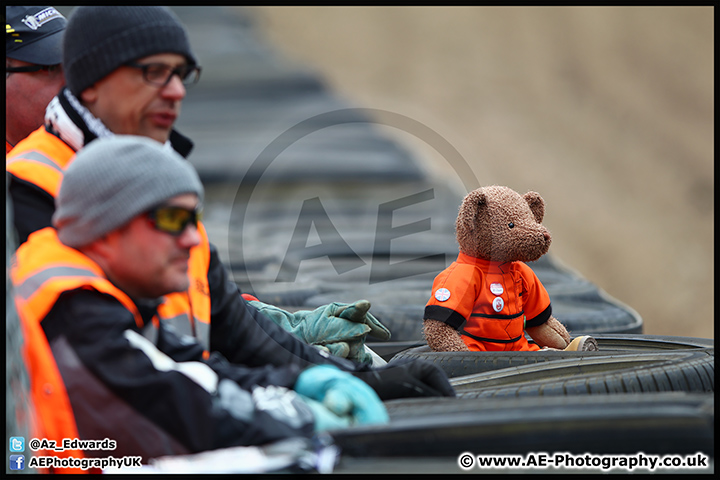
(537, 205)
(471, 205)
(480, 199)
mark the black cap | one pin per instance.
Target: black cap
(34, 34)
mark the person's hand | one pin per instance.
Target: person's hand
(338, 328)
(325, 419)
(343, 320)
(350, 400)
(408, 378)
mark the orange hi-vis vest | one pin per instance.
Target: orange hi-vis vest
(42, 158)
(53, 416)
(39, 277)
(489, 303)
(38, 281)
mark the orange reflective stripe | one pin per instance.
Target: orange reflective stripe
(175, 310)
(28, 287)
(29, 168)
(40, 159)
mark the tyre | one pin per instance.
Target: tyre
(288, 296)
(638, 373)
(661, 423)
(465, 363)
(645, 342)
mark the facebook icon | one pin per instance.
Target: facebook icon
(17, 462)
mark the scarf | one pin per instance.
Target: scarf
(66, 118)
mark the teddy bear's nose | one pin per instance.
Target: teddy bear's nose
(546, 235)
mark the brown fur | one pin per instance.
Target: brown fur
(552, 334)
(483, 231)
(441, 337)
(482, 223)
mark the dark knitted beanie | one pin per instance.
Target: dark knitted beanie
(98, 40)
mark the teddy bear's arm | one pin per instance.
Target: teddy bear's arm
(441, 337)
(552, 334)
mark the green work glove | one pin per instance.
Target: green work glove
(338, 328)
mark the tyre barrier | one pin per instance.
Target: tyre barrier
(290, 297)
(274, 96)
(393, 274)
(395, 277)
(401, 311)
(659, 423)
(457, 364)
(637, 373)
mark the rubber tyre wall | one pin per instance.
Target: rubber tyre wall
(661, 423)
(401, 310)
(465, 363)
(639, 373)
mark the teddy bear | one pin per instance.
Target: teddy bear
(489, 297)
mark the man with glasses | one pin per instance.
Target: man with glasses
(126, 222)
(126, 70)
(33, 70)
(106, 93)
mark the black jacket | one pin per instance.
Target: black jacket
(159, 397)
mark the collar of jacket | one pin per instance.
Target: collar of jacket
(147, 307)
(68, 120)
(180, 143)
(485, 265)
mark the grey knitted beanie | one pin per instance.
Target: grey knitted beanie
(98, 40)
(114, 179)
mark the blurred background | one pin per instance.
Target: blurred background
(607, 112)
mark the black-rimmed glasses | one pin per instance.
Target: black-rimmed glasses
(159, 74)
(31, 69)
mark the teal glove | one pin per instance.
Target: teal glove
(344, 395)
(338, 328)
(324, 418)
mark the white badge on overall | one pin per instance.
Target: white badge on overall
(498, 304)
(496, 288)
